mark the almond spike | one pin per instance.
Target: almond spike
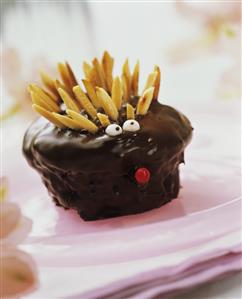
(107, 104)
(64, 73)
(72, 77)
(45, 97)
(93, 78)
(99, 73)
(126, 70)
(107, 65)
(83, 122)
(58, 85)
(48, 115)
(39, 101)
(67, 99)
(127, 78)
(86, 69)
(50, 84)
(66, 121)
(135, 80)
(150, 80)
(84, 101)
(145, 101)
(91, 93)
(117, 92)
(124, 89)
(104, 120)
(157, 82)
(130, 112)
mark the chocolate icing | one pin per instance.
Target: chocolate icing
(94, 174)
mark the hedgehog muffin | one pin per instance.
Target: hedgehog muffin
(106, 151)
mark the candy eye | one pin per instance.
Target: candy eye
(131, 125)
(113, 130)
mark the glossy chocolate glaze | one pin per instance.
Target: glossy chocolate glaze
(94, 174)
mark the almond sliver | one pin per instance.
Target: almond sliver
(84, 101)
(68, 100)
(107, 104)
(130, 111)
(145, 101)
(117, 92)
(83, 122)
(104, 120)
(48, 115)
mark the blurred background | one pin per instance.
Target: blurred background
(196, 44)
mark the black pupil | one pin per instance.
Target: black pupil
(117, 128)
(132, 123)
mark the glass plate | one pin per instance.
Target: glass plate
(208, 206)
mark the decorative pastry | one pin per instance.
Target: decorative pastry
(104, 150)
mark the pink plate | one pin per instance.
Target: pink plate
(209, 206)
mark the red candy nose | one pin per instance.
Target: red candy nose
(142, 175)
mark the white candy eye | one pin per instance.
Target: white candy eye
(113, 130)
(131, 125)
